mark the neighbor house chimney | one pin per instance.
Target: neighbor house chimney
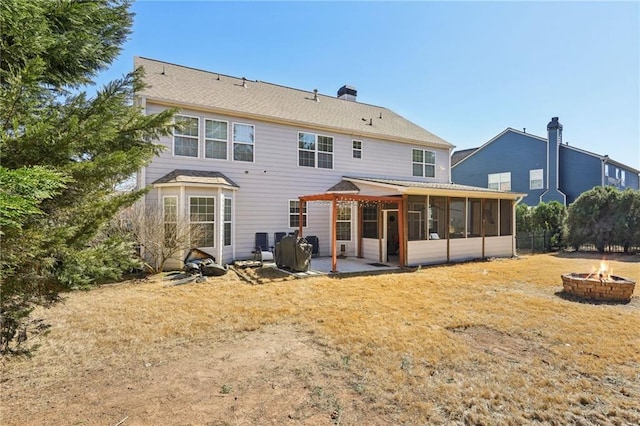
(554, 139)
(348, 93)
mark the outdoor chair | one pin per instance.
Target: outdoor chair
(278, 236)
(263, 251)
(315, 244)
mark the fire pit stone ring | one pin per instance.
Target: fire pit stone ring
(594, 287)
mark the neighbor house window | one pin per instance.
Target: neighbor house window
(315, 150)
(227, 222)
(170, 219)
(606, 170)
(215, 139)
(623, 178)
(343, 223)
(457, 215)
(536, 180)
(500, 181)
(202, 221)
(370, 222)
(357, 149)
(423, 163)
(294, 214)
(185, 136)
(243, 142)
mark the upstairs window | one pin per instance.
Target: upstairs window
(315, 151)
(500, 181)
(294, 214)
(423, 163)
(357, 149)
(185, 136)
(215, 139)
(243, 142)
(536, 180)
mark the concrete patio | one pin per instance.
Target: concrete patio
(322, 266)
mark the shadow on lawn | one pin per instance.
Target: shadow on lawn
(635, 300)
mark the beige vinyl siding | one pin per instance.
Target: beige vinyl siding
(425, 252)
(499, 246)
(465, 249)
(266, 185)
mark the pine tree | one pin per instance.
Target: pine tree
(63, 152)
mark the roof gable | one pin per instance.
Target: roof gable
(187, 87)
(462, 155)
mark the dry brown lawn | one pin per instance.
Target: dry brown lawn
(476, 343)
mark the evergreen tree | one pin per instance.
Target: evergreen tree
(593, 218)
(550, 217)
(63, 152)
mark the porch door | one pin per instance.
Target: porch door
(390, 236)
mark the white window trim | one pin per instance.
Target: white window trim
(531, 179)
(360, 150)
(350, 221)
(173, 136)
(205, 138)
(225, 221)
(304, 213)
(424, 162)
(500, 181)
(164, 220)
(233, 142)
(316, 151)
(212, 222)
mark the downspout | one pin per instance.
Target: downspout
(513, 237)
(603, 163)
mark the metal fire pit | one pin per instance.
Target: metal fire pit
(593, 287)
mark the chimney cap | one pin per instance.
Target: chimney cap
(554, 124)
(347, 92)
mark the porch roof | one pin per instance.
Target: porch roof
(201, 177)
(411, 187)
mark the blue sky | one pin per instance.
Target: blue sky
(463, 70)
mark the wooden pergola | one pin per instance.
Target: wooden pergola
(335, 198)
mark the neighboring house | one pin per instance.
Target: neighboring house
(258, 157)
(544, 169)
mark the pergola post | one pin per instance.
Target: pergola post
(334, 235)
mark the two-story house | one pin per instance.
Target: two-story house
(546, 169)
(252, 157)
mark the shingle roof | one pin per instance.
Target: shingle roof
(182, 86)
(458, 156)
(429, 185)
(196, 176)
(344, 186)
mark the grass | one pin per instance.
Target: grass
(475, 343)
